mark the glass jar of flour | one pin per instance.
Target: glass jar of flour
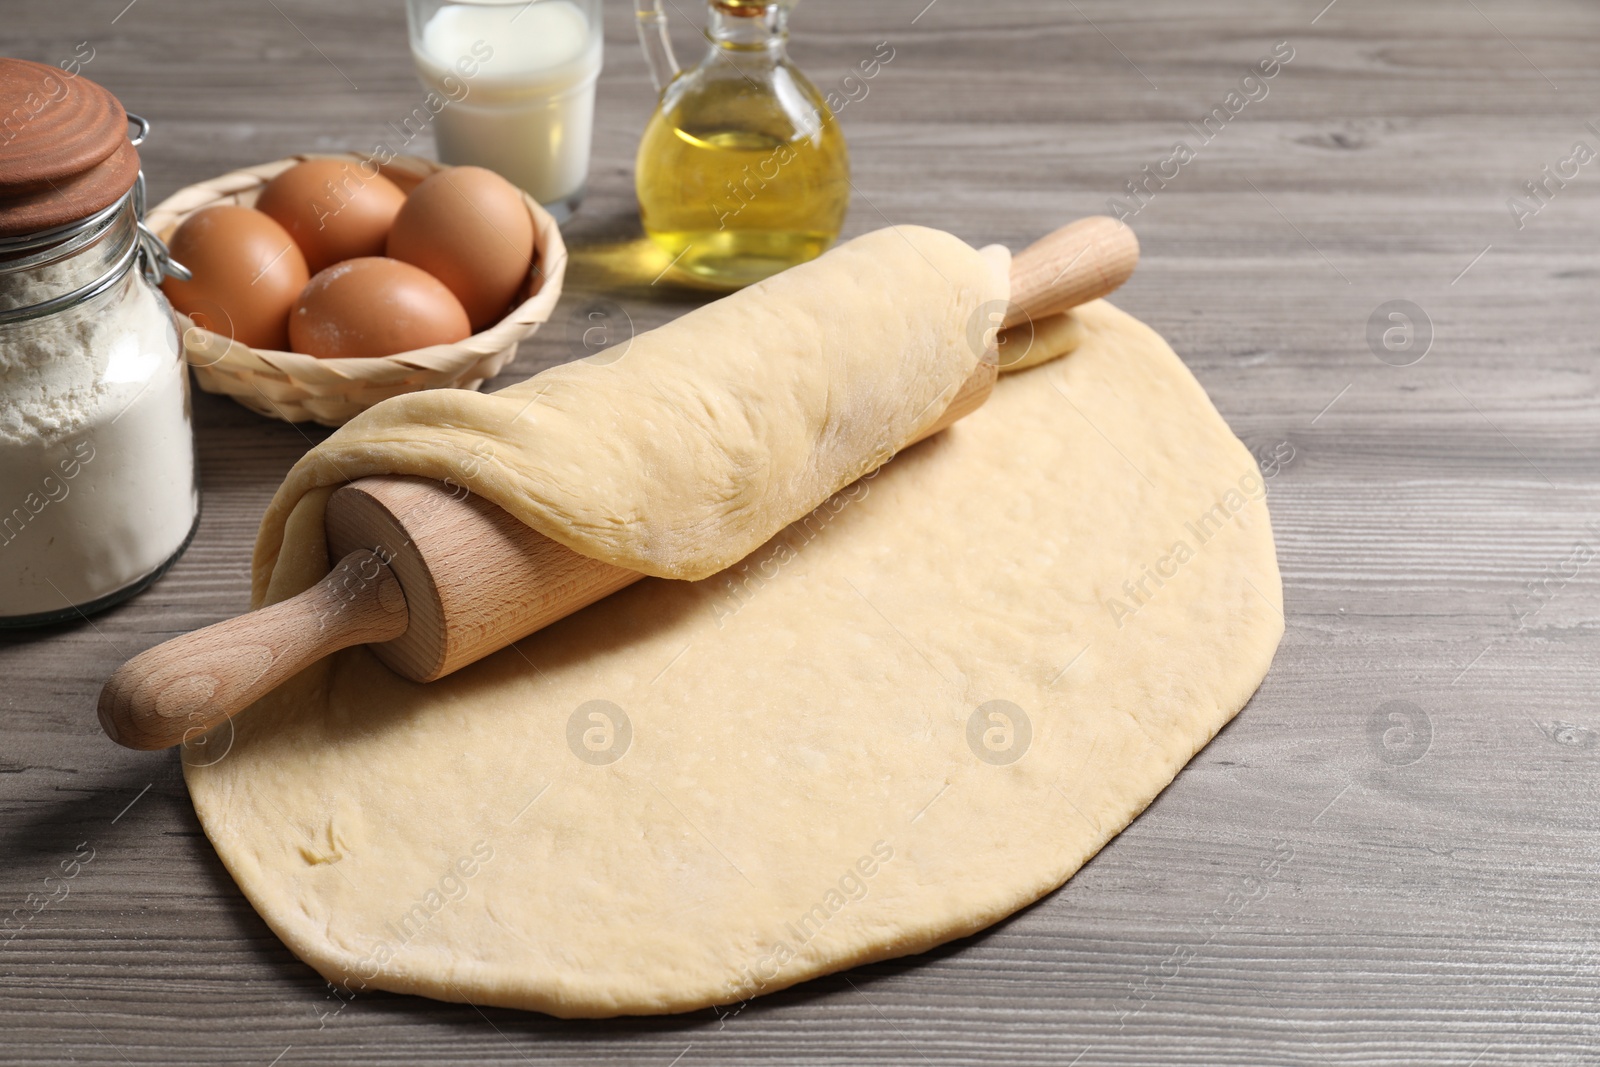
(97, 474)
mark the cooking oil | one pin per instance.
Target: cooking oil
(743, 170)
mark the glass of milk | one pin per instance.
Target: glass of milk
(512, 88)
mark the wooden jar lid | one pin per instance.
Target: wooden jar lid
(64, 148)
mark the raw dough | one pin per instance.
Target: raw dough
(813, 768)
(1039, 341)
(686, 450)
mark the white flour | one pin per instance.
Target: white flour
(96, 454)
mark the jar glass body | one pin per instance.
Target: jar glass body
(743, 170)
(98, 491)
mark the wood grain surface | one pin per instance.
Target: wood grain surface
(1433, 896)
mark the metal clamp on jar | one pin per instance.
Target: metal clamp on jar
(97, 473)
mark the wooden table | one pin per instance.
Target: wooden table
(1438, 900)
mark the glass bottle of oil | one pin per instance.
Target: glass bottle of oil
(742, 170)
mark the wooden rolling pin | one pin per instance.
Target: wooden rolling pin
(432, 580)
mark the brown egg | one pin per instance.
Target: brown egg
(374, 307)
(248, 273)
(333, 208)
(469, 228)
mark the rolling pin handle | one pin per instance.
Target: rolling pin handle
(183, 687)
(1080, 262)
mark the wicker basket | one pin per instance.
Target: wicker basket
(300, 388)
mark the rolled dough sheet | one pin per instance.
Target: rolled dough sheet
(910, 714)
(684, 450)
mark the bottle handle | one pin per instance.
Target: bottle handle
(657, 45)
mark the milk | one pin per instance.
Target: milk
(527, 108)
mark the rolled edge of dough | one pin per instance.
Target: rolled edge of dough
(682, 451)
(1046, 339)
